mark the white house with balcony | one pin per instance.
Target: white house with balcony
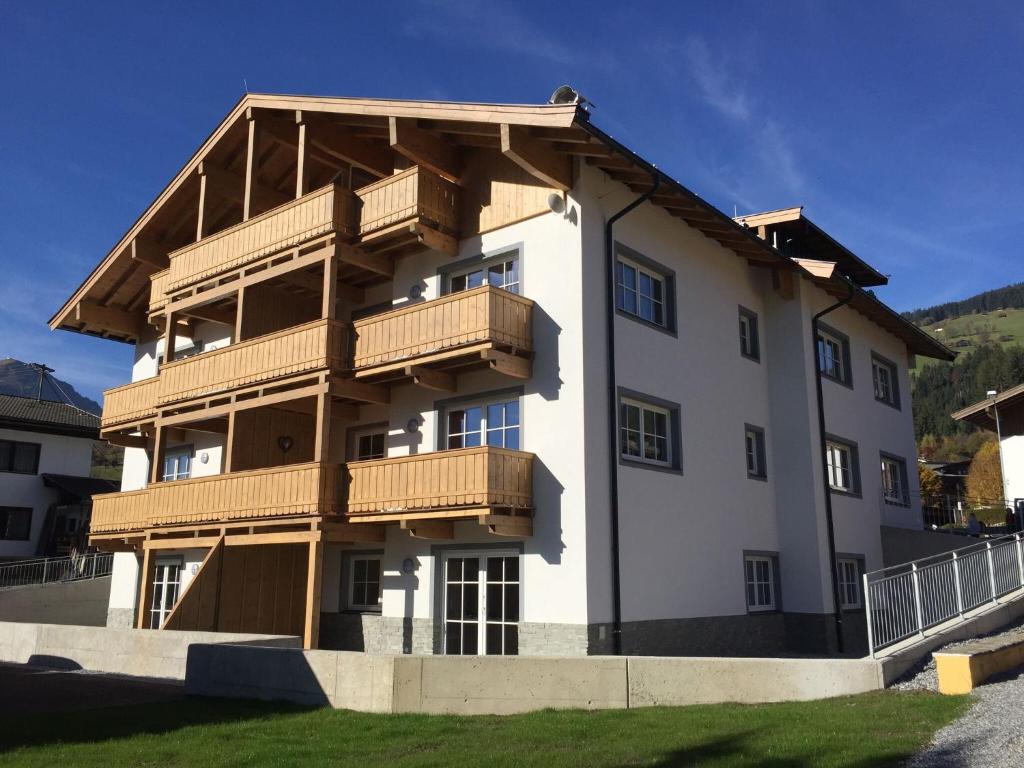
(422, 377)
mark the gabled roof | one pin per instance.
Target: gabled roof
(117, 291)
(47, 416)
(798, 236)
(981, 414)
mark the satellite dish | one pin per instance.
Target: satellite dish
(566, 94)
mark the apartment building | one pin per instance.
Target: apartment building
(372, 400)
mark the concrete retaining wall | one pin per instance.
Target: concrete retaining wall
(140, 652)
(901, 545)
(74, 602)
(506, 685)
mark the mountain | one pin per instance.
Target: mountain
(18, 378)
(1007, 297)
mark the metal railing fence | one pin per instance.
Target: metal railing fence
(50, 570)
(905, 600)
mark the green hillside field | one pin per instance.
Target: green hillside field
(968, 332)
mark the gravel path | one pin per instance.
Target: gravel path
(992, 731)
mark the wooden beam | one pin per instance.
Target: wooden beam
(213, 426)
(150, 252)
(201, 211)
(536, 158)
(183, 542)
(127, 441)
(783, 283)
(156, 461)
(510, 365)
(424, 149)
(251, 160)
(145, 590)
(431, 379)
(302, 161)
(331, 144)
(329, 288)
(229, 444)
(110, 319)
(322, 438)
(314, 581)
(211, 314)
(438, 241)
(507, 525)
(360, 391)
(371, 262)
(281, 537)
(232, 186)
(429, 529)
(347, 533)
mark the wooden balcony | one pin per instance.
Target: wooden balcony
(130, 404)
(466, 328)
(276, 492)
(441, 484)
(319, 345)
(158, 283)
(414, 197)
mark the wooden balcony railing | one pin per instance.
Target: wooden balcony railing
(298, 489)
(130, 403)
(326, 210)
(443, 480)
(484, 314)
(321, 344)
(158, 282)
(414, 193)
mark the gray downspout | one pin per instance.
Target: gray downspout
(823, 441)
(613, 436)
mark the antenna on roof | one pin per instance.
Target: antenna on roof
(245, 84)
(566, 94)
(42, 369)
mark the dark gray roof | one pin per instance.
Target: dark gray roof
(46, 416)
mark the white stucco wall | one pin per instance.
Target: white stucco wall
(58, 454)
(1013, 466)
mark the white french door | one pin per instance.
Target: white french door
(166, 583)
(482, 593)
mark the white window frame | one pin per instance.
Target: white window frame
(832, 356)
(161, 577)
(484, 267)
(897, 493)
(482, 621)
(623, 262)
(754, 560)
(351, 576)
(884, 392)
(486, 427)
(849, 582)
(370, 432)
(834, 449)
(642, 433)
(177, 453)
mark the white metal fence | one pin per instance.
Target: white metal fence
(49, 570)
(905, 600)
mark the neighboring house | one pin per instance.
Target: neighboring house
(1004, 414)
(372, 401)
(45, 458)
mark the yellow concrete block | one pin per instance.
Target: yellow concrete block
(974, 663)
(955, 674)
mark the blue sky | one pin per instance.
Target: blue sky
(896, 124)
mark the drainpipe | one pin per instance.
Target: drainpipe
(833, 565)
(613, 436)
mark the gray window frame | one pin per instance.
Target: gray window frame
(175, 450)
(904, 478)
(894, 380)
(855, 476)
(773, 557)
(844, 340)
(14, 444)
(675, 465)
(668, 277)
(441, 408)
(355, 429)
(861, 570)
(344, 587)
(480, 261)
(755, 334)
(760, 449)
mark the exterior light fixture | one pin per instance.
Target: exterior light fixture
(285, 443)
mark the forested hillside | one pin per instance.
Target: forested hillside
(1008, 297)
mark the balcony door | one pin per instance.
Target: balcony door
(166, 584)
(482, 596)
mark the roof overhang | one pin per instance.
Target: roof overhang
(982, 413)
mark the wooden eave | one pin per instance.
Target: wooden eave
(980, 413)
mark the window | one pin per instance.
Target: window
(894, 480)
(760, 578)
(166, 583)
(641, 292)
(644, 431)
(370, 444)
(15, 523)
(500, 271)
(750, 343)
(842, 466)
(884, 378)
(178, 463)
(481, 604)
(753, 444)
(849, 582)
(834, 356)
(19, 457)
(364, 584)
(493, 423)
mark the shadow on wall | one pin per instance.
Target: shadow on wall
(545, 381)
(547, 517)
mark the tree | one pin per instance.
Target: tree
(984, 478)
(931, 486)
(928, 447)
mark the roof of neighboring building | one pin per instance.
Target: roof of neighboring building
(47, 416)
(80, 487)
(980, 414)
(111, 301)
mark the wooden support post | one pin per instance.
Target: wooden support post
(536, 158)
(200, 231)
(170, 337)
(156, 466)
(424, 148)
(322, 443)
(145, 590)
(250, 166)
(311, 626)
(239, 312)
(229, 444)
(329, 308)
(301, 169)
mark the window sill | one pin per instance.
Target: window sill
(893, 503)
(762, 478)
(362, 612)
(649, 324)
(641, 464)
(837, 380)
(844, 492)
(894, 406)
(760, 611)
(751, 358)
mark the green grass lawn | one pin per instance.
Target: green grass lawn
(872, 729)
